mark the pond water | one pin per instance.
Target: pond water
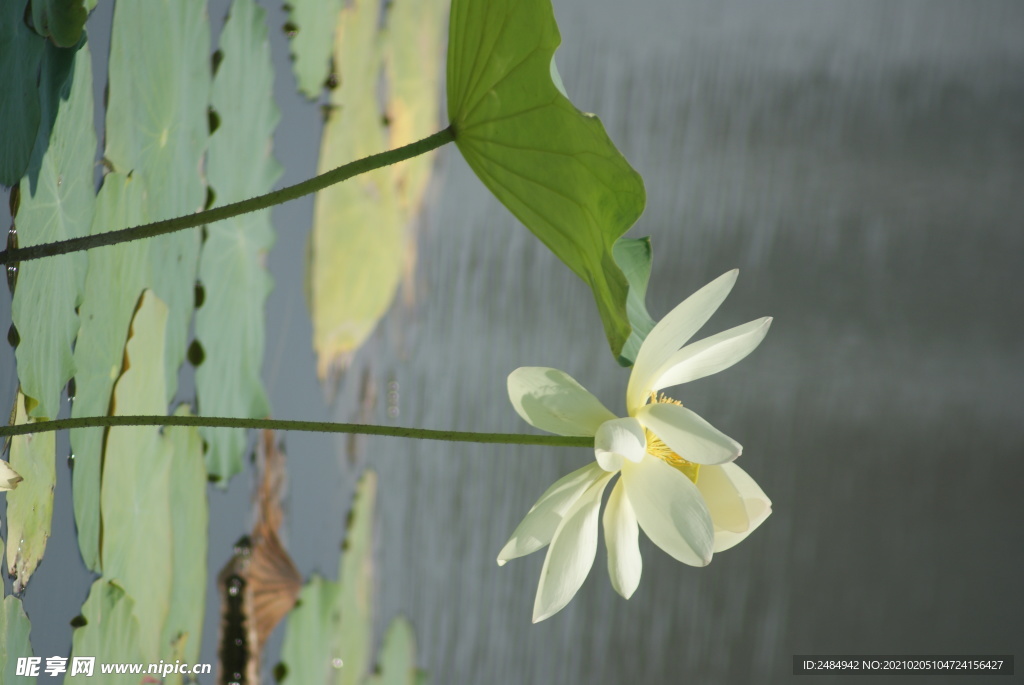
(861, 164)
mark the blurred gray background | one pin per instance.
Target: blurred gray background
(862, 164)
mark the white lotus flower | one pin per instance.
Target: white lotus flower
(676, 482)
(9, 478)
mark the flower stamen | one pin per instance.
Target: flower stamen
(656, 447)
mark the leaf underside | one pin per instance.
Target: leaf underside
(554, 167)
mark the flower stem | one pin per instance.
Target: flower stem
(342, 173)
(308, 426)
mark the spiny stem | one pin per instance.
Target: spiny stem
(307, 426)
(342, 173)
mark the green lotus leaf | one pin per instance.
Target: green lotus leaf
(30, 505)
(135, 494)
(111, 632)
(331, 628)
(114, 281)
(34, 78)
(14, 639)
(62, 21)
(56, 204)
(356, 576)
(157, 128)
(14, 635)
(356, 243)
(190, 519)
(21, 53)
(553, 166)
(55, 73)
(230, 324)
(179, 653)
(311, 638)
(396, 663)
(634, 256)
(311, 24)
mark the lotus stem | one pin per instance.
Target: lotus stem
(329, 178)
(33, 427)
